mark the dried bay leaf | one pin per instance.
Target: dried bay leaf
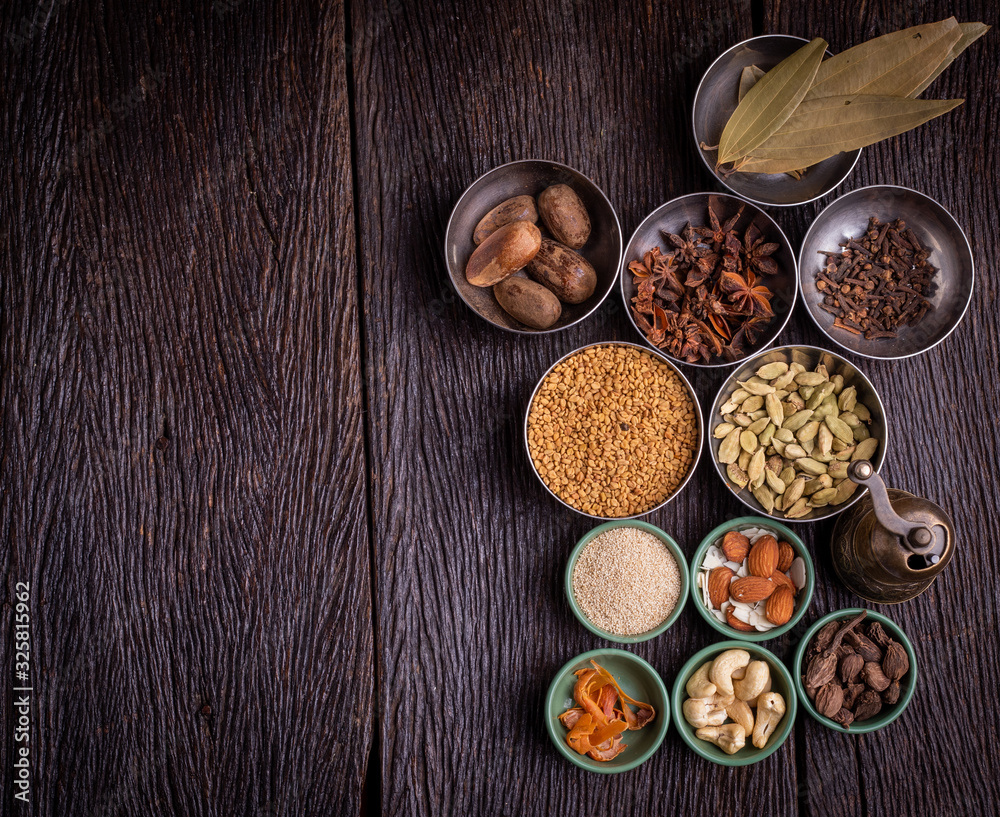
(821, 128)
(770, 102)
(748, 77)
(896, 64)
(970, 32)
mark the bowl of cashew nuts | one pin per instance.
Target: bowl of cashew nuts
(734, 703)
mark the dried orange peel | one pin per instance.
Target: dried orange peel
(596, 725)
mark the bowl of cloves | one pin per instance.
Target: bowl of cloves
(709, 279)
(855, 671)
(886, 272)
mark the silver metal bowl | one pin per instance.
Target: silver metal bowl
(673, 216)
(810, 357)
(530, 177)
(716, 99)
(847, 217)
(687, 385)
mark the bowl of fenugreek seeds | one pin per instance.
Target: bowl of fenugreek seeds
(613, 430)
(627, 582)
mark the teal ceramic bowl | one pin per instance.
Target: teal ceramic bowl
(786, 534)
(637, 679)
(781, 682)
(682, 569)
(907, 685)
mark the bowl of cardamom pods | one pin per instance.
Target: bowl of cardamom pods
(786, 425)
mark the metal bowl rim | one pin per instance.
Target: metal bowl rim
(701, 153)
(948, 213)
(624, 269)
(757, 508)
(691, 392)
(461, 199)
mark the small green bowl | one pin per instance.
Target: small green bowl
(637, 679)
(787, 535)
(781, 682)
(682, 568)
(907, 685)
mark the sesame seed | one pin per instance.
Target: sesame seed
(626, 581)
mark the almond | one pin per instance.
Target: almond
(780, 606)
(736, 546)
(763, 559)
(782, 580)
(736, 624)
(751, 589)
(786, 555)
(718, 586)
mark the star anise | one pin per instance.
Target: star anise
(758, 252)
(750, 299)
(716, 233)
(687, 246)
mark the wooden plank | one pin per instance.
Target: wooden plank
(472, 621)
(941, 757)
(183, 456)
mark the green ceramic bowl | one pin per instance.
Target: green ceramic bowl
(682, 568)
(785, 534)
(907, 685)
(637, 679)
(781, 682)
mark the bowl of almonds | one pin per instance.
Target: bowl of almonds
(752, 579)
(786, 425)
(855, 671)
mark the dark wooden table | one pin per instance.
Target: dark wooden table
(262, 470)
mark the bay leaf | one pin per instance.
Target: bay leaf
(821, 128)
(770, 102)
(896, 64)
(970, 32)
(749, 76)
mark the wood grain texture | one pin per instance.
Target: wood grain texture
(939, 448)
(183, 456)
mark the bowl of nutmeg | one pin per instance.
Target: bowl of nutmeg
(533, 246)
(855, 671)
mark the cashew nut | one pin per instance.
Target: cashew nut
(753, 681)
(698, 685)
(729, 738)
(770, 711)
(704, 712)
(752, 703)
(740, 712)
(721, 673)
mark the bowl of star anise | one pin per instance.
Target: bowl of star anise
(709, 279)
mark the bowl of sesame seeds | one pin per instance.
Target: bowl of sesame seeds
(627, 582)
(613, 430)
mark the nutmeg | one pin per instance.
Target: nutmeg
(874, 677)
